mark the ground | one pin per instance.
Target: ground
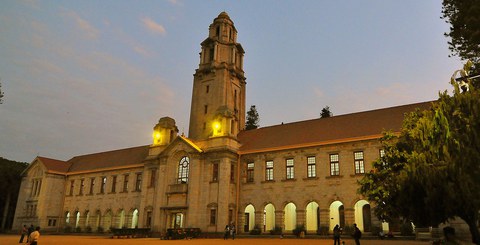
(89, 240)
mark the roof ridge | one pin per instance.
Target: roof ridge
(109, 151)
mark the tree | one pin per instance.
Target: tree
(252, 118)
(464, 17)
(1, 94)
(326, 112)
(430, 171)
(9, 185)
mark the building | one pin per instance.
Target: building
(302, 173)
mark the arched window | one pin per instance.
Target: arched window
(183, 167)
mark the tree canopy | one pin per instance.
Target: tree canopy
(464, 34)
(252, 118)
(326, 112)
(430, 171)
(9, 185)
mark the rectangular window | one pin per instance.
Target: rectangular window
(103, 184)
(334, 165)
(230, 216)
(149, 219)
(205, 109)
(92, 184)
(215, 172)
(359, 165)
(250, 168)
(208, 88)
(232, 173)
(72, 185)
(213, 216)
(153, 177)
(82, 185)
(311, 167)
(138, 183)
(125, 183)
(290, 169)
(114, 184)
(269, 170)
(382, 155)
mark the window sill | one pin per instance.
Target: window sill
(334, 177)
(268, 181)
(357, 174)
(311, 178)
(249, 183)
(289, 180)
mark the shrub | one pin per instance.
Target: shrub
(298, 229)
(78, 229)
(323, 230)
(67, 229)
(277, 230)
(406, 229)
(376, 230)
(256, 230)
(88, 229)
(100, 229)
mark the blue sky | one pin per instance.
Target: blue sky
(82, 77)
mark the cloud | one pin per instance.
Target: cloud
(153, 26)
(89, 30)
(175, 2)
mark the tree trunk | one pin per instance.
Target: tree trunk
(472, 225)
(5, 211)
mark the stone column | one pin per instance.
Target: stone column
(279, 219)
(302, 218)
(349, 216)
(259, 219)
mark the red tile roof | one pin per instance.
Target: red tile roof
(110, 159)
(54, 165)
(326, 130)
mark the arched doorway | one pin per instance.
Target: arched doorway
(249, 218)
(290, 212)
(312, 217)
(121, 218)
(337, 214)
(363, 215)
(268, 217)
(107, 220)
(134, 218)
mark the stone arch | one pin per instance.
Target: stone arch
(120, 218)
(268, 217)
(363, 215)
(337, 214)
(67, 218)
(97, 219)
(107, 219)
(312, 215)
(290, 216)
(134, 218)
(77, 219)
(86, 215)
(249, 218)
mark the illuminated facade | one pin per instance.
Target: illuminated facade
(302, 173)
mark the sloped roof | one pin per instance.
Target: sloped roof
(110, 159)
(54, 165)
(342, 128)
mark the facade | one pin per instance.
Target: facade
(302, 173)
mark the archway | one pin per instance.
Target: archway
(107, 220)
(121, 218)
(290, 212)
(67, 218)
(337, 214)
(268, 217)
(77, 219)
(134, 218)
(363, 215)
(312, 216)
(87, 219)
(249, 218)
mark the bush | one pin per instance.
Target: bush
(67, 229)
(277, 230)
(100, 229)
(323, 230)
(406, 229)
(376, 230)
(298, 229)
(78, 229)
(88, 229)
(256, 230)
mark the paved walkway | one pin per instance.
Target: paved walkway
(93, 240)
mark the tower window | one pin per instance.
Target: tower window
(218, 31)
(208, 88)
(211, 54)
(206, 109)
(183, 167)
(215, 172)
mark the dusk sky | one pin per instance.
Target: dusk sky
(82, 77)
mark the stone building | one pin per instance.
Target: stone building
(301, 173)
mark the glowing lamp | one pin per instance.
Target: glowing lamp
(156, 137)
(216, 128)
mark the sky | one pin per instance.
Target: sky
(82, 77)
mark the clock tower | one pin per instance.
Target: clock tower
(218, 97)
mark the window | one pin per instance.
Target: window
(213, 216)
(82, 185)
(382, 155)
(125, 183)
(250, 168)
(206, 109)
(311, 167)
(72, 185)
(359, 165)
(290, 169)
(149, 219)
(138, 182)
(215, 172)
(211, 54)
(92, 184)
(232, 173)
(183, 167)
(269, 170)
(103, 184)
(153, 177)
(208, 88)
(334, 165)
(114, 184)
